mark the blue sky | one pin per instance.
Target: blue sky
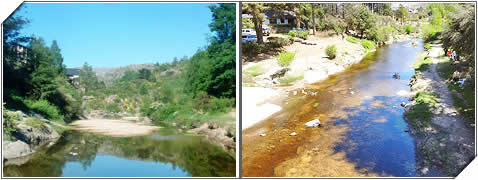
(119, 34)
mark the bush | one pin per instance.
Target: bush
(44, 108)
(293, 33)
(367, 44)
(277, 42)
(427, 46)
(408, 29)
(303, 34)
(284, 58)
(112, 108)
(331, 51)
(352, 39)
(252, 48)
(431, 32)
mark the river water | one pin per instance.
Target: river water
(164, 153)
(363, 131)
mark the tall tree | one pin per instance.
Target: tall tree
(255, 10)
(460, 34)
(313, 17)
(57, 57)
(87, 79)
(224, 21)
(402, 13)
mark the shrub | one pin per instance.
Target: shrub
(331, 51)
(255, 70)
(352, 39)
(277, 42)
(284, 58)
(9, 122)
(293, 33)
(367, 44)
(390, 29)
(112, 108)
(407, 29)
(44, 108)
(431, 32)
(427, 46)
(252, 48)
(303, 34)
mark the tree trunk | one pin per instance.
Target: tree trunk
(297, 19)
(258, 28)
(313, 18)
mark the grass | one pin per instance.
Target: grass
(352, 39)
(291, 79)
(331, 51)
(35, 123)
(367, 44)
(254, 70)
(420, 113)
(422, 63)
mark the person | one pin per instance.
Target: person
(453, 55)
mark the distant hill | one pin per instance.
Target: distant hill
(109, 74)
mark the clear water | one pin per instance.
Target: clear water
(165, 153)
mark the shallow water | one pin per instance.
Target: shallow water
(164, 153)
(362, 132)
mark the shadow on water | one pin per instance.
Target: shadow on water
(164, 153)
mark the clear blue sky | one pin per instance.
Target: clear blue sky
(119, 34)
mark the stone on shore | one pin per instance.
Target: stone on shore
(313, 123)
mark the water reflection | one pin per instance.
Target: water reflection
(162, 154)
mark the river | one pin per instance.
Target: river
(164, 153)
(363, 132)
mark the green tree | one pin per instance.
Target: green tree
(460, 34)
(363, 19)
(57, 57)
(255, 10)
(402, 13)
(87, 79)
(224, 21)
(386, 9)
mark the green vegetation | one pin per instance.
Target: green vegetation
(284, 58)
(291, 79)
(187, 91)
(422, 63)
(331, 51)
(352, 39)
(427, 46)
(303, 34)
(44, 108)
(9, 123)
(293, 34)
(367, 44)
(431, 32)
(420, 113)
(254, 70)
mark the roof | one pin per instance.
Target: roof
(272, 14)
(72, 71)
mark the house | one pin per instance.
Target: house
(278, 18)
(21, 53)
(73, 75)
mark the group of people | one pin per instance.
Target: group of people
(452, 54)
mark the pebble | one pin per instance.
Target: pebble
(262, 135)
(293, 134)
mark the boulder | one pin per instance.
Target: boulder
(313, 123)
(15, 149)
(35, 136)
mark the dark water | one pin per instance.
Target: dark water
(376, 139)
(165, 153)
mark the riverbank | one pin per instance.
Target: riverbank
(444, 139)
(262, 93)
(26, 134)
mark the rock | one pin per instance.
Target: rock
(15, 149)
(403, 104)
(262, 135)
(472, 125)
(73, 153)
(351, 92)
(294, 93)
(35, 136)
(296, 39)
(406, 130)
(293, 134)
(279, 73)
(313, 123)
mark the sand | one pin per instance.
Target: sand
(117, 128)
